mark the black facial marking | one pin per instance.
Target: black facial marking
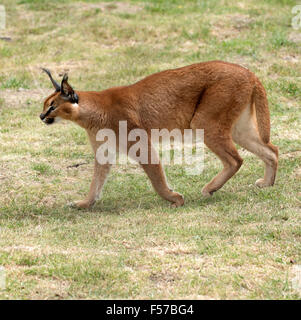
(44, 115)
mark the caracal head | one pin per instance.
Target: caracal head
(60, 104)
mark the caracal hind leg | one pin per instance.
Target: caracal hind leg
(226, 151)
(216, 114)
(220, 143)
(245, 133)
(157, 177)
(101, 172)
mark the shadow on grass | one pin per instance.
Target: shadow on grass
(138, 198)
(117, 206)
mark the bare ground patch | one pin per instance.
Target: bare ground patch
(291, 155)
(17, 98)
(295, 37)
(59, 68)
(295, 275)
(114, 7)
(230, 26)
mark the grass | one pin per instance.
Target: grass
(239, 244)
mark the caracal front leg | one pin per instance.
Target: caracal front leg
(157, 177)
(101, 172)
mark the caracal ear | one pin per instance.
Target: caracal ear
(67, 91)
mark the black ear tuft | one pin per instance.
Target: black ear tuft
(67, 91)
(55, 84)
(65, 77)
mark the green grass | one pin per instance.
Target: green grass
(239, 244)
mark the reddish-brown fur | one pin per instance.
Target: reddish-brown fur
(226, 100)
